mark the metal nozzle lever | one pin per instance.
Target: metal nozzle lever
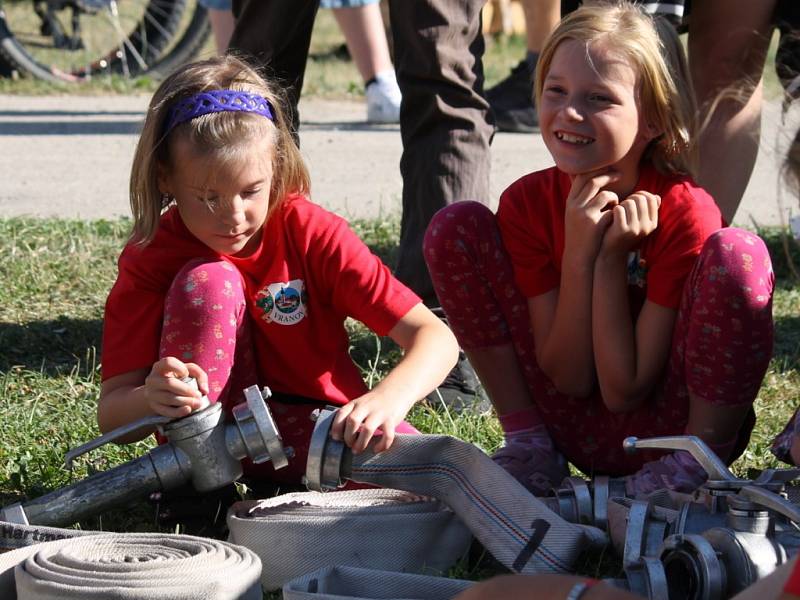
(714, 467)
(153, 421)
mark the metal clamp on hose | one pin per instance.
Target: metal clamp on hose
(325, 455)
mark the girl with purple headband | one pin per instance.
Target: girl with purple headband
(233, 277)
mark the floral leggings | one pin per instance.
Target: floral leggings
(721, 347)
(206, 322)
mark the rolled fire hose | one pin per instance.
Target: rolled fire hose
(518, 529)
(130, 566)
(382, 529)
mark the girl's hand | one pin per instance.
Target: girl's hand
(356, 422)
(167, 395)
(588, 214)
(633, 219)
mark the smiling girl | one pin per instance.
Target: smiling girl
(235, 278)
(605, 299)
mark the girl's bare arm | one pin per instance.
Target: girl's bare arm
(431, 351)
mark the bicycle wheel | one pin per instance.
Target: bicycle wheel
(73, 40)
(191, 41)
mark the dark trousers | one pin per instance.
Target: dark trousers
(444, 119)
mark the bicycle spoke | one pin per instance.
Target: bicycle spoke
(124, 41)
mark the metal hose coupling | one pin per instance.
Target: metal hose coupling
(519, 530)
(201, 449)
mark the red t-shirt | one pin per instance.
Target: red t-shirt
(531, 220)
(308, 275)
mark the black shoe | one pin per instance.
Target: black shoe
(461, 391)
(512, 103)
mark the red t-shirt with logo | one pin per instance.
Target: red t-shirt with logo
(531, 220)
(308, 275)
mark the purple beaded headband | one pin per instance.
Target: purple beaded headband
(215, 101)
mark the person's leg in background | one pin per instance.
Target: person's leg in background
(512, 99)
(445, 127)
(361, 23)
(220, 16)
(728, 42)
(275, 37)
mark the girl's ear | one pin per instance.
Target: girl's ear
(163, 178)
(648, 131)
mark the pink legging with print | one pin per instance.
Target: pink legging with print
(721, 345)
(206, 322)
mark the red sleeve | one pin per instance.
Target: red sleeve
(135, 306)
(360, 285)
(131, 325)
(530, 229)
(688, 217)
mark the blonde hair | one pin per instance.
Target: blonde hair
(654, 51)
(222, 136)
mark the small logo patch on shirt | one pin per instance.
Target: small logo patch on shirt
(283, 302)
(637, 269)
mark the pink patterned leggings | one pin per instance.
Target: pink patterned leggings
(206, 322)
(721, 345)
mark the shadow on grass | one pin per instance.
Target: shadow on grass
(785, 254)
(787, 342)
(51, 347)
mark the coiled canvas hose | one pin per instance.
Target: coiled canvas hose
(517, 528)
(297, 533)
(131, 566)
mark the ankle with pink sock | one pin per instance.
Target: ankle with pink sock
(524, 426)
(529, 454)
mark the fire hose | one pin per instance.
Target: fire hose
(131, 566)
(47, 562)
(705, 546)
(519, 530)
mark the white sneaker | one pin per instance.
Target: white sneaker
(383, 99)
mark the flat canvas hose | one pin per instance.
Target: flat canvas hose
(130, 566)
(517, 528)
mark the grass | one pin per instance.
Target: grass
(56, 274)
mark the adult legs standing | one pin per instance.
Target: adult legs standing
(276, 35)
(728, 41)
(444, 119)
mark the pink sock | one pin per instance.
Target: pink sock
(518, 420)
(525, 426)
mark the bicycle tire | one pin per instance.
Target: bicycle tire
(191, 42)
(130, 48)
